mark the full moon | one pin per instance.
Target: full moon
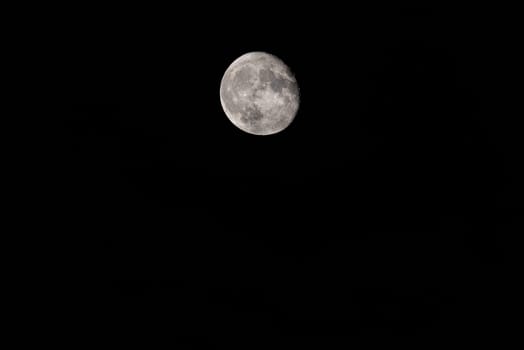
(259, 94)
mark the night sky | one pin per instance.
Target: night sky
(384, 213)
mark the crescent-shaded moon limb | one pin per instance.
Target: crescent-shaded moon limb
(259, 94)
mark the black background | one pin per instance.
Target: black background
(383, 213)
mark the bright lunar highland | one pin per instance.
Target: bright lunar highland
(259, 94)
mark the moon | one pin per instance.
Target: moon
(259, 94)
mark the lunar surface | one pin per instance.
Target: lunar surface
(259, 94)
